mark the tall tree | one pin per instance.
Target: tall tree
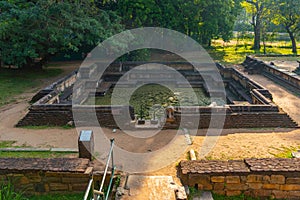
(32, 31)
(202, 20)
(287, 14)
(257, 9)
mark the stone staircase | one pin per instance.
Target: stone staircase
(143, 187)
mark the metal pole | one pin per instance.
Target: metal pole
(87, 192)
(110, 183)
(106, 167)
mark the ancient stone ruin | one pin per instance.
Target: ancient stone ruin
(247, 103)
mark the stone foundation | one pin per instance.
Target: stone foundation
(253, 110)
(264, 178)
(37, 176)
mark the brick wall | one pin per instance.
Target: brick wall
(41, 176)
(61, 114)
(286, 78)
(265, 178)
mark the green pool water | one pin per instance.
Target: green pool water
(146, 96)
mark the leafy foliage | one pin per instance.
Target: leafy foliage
(286, 13)
(32, 31)
(202, 20)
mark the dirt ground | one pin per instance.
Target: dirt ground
(233, 144)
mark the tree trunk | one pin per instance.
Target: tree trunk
(256, 45)
(292, 37)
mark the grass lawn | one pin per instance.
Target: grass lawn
(234, 52)
(30, 154)
(57, 197)
(14, 82)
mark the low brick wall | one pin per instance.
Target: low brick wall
(255, 66)
(265, 178)
(37, 176)
(61, 114)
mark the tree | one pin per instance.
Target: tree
(33, 31)
(202, 20)
(286, 13)
(218, 19)
(257, 9)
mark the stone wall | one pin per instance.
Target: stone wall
(284, 77)
(57, 86)
(265, 178)
(61, 114)
(261, 113)
(235, 116)
(40, 176)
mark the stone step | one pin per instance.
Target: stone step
(143, 187)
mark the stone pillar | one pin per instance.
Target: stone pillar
(86, 144)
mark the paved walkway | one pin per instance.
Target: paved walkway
(286, 100)
(150, 188)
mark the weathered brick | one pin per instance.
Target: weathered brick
(23, 180)
(262, 193)
(254, 178)
(243, 179)
(255, 186)
(198, 179)
(277, 179)
(205, 186)
(266, 179)
(58, 187)
(294, 194)
(34, 177)
(78, 187)
(233, 193)
(47, 188)
(232, 179)
(236, 186)
(220, 192)
(290, 187)
(74, 180)
(53, 174)
(55, 179)
(278, 194)
(293, 180)
(218, 186)
(217, 179)
(270, 186)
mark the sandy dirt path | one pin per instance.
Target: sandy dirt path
(289, 102)
(54, 137)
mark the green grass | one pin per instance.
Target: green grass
(47, 127)
(232, 53)
(14, 82)
(194, 193)
(36, 154)
(6, 144)
(284, 152)
(31, 154)
(240, 197)
(57, 197)
(8, 192)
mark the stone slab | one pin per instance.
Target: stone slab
(24, 149)
(44, 164)
(273, 164)
(212, 166)
(156, 187)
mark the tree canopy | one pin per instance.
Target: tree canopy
(32, 31)
(202, 20)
